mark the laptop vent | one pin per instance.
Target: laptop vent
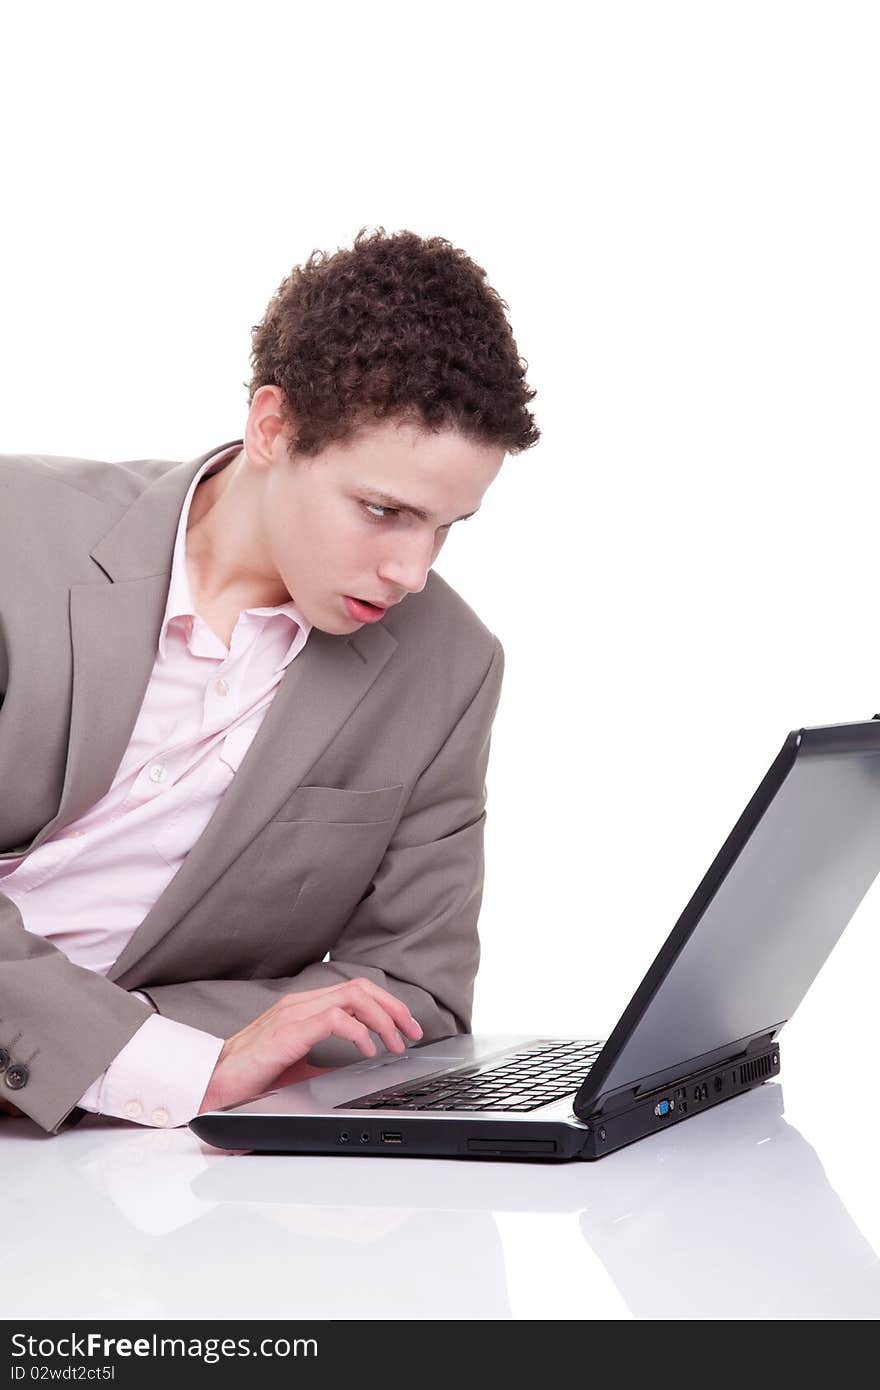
(755, 1071)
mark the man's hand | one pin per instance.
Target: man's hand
(268, 1052)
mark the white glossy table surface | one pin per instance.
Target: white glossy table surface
(763, 1207)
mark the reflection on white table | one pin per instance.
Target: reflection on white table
(729, 1215)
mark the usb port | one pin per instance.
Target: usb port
(390, 1136)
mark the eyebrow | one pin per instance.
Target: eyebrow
(384, 499)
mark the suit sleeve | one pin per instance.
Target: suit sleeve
(414, 931)
(60, 1024)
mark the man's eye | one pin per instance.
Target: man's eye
(373, 507)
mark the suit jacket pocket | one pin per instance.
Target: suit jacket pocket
(284, 900)
(341, 805)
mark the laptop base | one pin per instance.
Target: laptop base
(407, 1134)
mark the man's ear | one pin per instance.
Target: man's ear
(268, 419)
(289, 423)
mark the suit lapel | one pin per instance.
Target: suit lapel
(114, 634)
(114, 629)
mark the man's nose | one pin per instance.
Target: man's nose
(408, 570)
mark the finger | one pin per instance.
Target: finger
(361, 1005)
(394, 1006)
(332, 1022)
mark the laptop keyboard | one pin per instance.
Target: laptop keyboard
(521, 1080)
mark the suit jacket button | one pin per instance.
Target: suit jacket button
(17, 1076)
(5, 1059)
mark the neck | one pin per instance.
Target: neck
(224, 552)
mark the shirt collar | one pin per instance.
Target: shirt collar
(180, 603)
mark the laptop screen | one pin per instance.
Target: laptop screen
(767, 914)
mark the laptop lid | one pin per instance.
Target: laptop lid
(762, 922)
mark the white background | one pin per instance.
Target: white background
(679, 203)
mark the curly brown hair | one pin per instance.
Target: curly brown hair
(398, 327)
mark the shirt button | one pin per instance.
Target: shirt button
(134, 1109)
(221, 686)
(75, 834)
(158, 773)
(160, 1116)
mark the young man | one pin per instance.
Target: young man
(244, 730)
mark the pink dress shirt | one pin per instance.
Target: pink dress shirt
(88, 888)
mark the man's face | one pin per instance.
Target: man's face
(329, 534)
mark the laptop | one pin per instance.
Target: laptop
(702, 1026)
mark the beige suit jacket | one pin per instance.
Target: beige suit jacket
(352, 830)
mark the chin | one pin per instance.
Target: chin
(336, 624)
